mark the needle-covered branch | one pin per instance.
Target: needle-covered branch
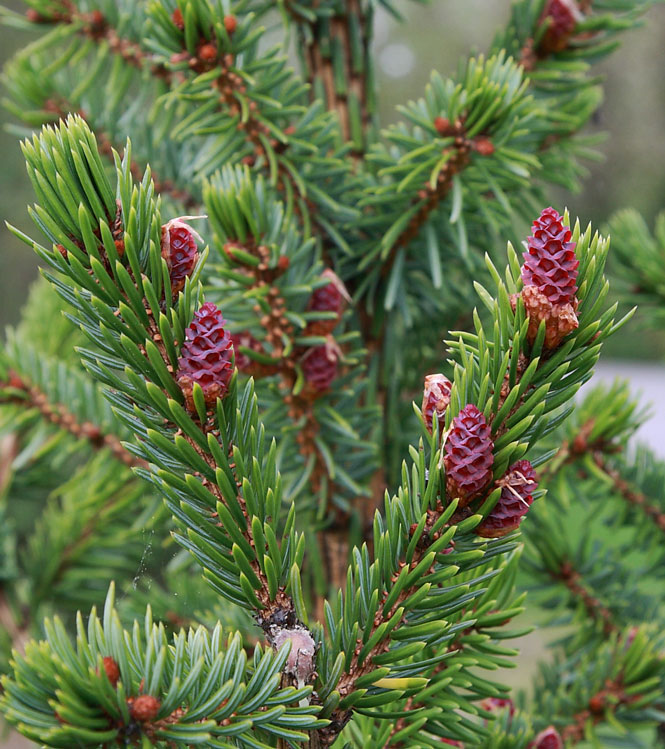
(118, 686)
(508, 377)
(117, 269)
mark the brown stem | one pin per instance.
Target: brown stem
(610, 698)
(337, 33)
(59, 415)
(18, 631)
(94, 25)
(430, 197)
(628, 493)
(596, 610)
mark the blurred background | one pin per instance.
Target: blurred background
(435, 36)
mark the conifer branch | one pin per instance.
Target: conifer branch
(629, 493)
(603, 423)
(59, 415)
(610, 698)
(95, 26)
(17, 629)
(335, 50)
(573, 581)
(166, 186)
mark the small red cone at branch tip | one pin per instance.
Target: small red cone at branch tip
(208, 52)
(442, 125)
(550, 263)
(468, 456)
(547, 739)
(562, 17)
(97, 20)
(597, 704)
(34, 16)
(332, 297)
(111, 669)
(180, 250)
(517, 487)
(205, 357)
(144, 708)
(230, 24)
(436, 397)
(483, 146)
(549, 274)
(320, 365)
(178, 20)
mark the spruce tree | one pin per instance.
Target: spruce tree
(248, 498)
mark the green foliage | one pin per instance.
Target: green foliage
(639, 256)
(299, 189)
(213, 693)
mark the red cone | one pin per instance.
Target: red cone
(518, 484)
(436, 397)
(468, 455)
(205, 357)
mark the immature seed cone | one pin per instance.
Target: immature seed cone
(145, 707)
(329, 298)
(205, 357)
(320, 367)
(436, 397)
(547, 739)
(563, 16)
(549, 274)
(518, 486)
(112, 670)
(550, 263)
(468, 455)
(560, 320)
(180, 251)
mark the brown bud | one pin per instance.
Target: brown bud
(283, 263)
(597, 704)
(97, 20)
(34, 16)
(442, 125)
(178, 20)
(230, 24)
(560, 319)
(483, 146)
(144, 707)
(112, 670)
(208, 53)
